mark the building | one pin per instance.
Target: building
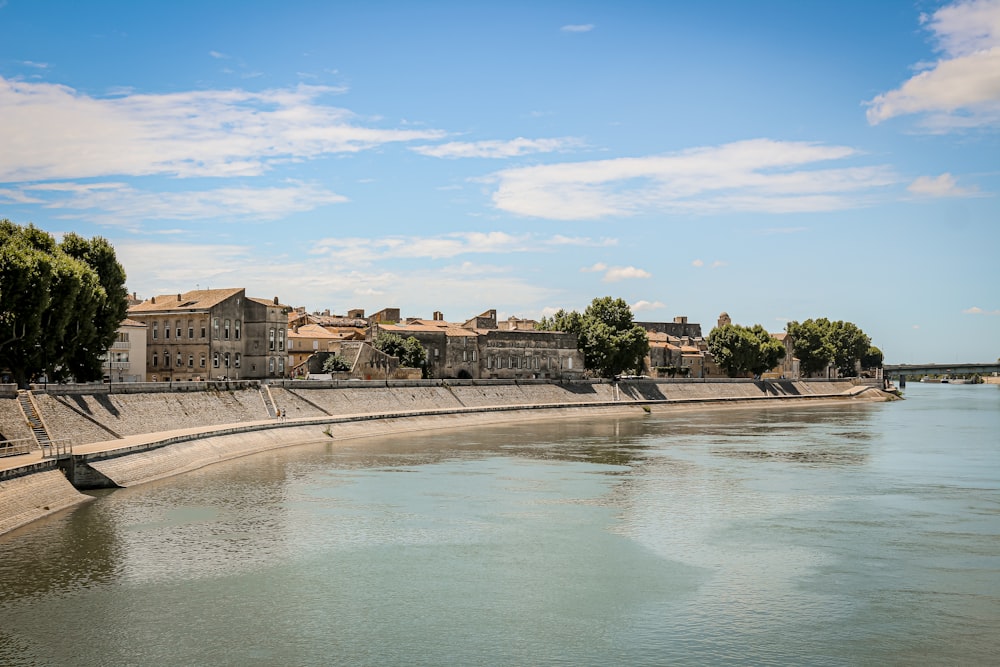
(125, 360)
(479, 348)
(212, 334)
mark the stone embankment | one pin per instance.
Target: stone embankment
(133, 436)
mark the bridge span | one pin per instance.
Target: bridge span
(911, 370)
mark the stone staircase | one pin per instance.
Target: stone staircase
(34, 419)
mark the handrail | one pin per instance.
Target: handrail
(57, 449)
(9, 448)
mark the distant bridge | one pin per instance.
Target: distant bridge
(911, 370)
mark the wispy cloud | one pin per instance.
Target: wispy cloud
(640, 306)
(976, 310)
(36, 65)
(698, 263)
(618, 273)
(497, 148)
(123, 204)
(961, 89)
(940, 186)
(595, 268)
(64, 134)
(218, 55)
(757, 175)
(578, 27)
(357, 251)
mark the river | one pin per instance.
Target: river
(811, 535)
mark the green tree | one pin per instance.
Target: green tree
(607, 336)
(409, 351)
(819, 342)
(812, 348)
(742, 350)
(61, 303)
(335, 363)
(873, 358)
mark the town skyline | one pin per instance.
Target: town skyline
(777, 162)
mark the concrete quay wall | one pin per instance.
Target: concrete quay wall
(171, 435)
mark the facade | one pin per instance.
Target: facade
(479, 349)
(212, 334)
(125, 360)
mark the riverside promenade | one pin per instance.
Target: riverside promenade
(213, 424)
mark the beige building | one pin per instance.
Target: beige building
(213, 334)
(480, 349)
(125, 360)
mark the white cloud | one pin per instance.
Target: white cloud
(560, 240)
(36, 65)
(714, 265)
(596, 268)
(64, 134)
(498, 149)
(218, 55)
(357, 251)
(962, 89)
(719, 263)
(940, 186)
(578, 27)
(698, 263)
(640, 306)
(976, 310)
(757, 175)
(617, 273)
(122, 204)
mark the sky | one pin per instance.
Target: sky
(776, 160)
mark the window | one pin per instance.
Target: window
(270, 340)
(315, 344)
(473, 355)
(237, 329)
(177, 329)
(270, 365)
(226, 359)
(281, 339)
(166, 330)
(191, 329)
(281, 364)
(190, 361)
(180, 359)
(225, 331)
(156, 330)
(238, 359)
(465, 355)
(201, 361)
(215, 360)
(156, 360)
(215, 329)
(202, 325)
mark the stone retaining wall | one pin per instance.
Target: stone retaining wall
(30, 497)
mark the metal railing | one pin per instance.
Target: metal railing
(57, 449)
(16, 447)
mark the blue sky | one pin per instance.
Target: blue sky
(775, 160)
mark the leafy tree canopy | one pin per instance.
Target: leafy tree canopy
(742, 350)
(409, 351)
(873, 358)
(819, 342)
(335, 364)
(606, 334)
(61, 303)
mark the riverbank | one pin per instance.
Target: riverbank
(32, 487)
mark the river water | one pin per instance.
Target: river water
(811, 535)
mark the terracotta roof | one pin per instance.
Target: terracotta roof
(194, 300)
(311, 331)
(429, 326)
(131, 323)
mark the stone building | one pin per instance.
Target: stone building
(479, 348)
(125, 360)
(211, 334)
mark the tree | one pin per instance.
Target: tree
(742, 350)
(821, 342)
(409, 351)
(873, 358)
(606, 335)
(61, 303)
(811, 345)
(335, 364)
